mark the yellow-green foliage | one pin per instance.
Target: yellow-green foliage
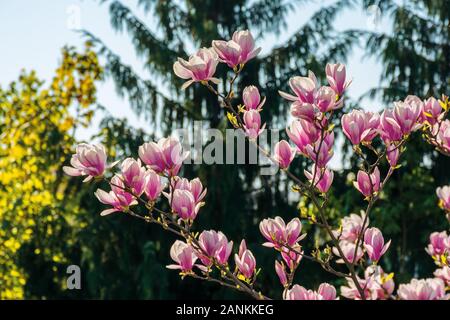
(37, 124)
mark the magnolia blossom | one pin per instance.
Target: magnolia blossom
(252, 124)
(134, 175)
(390, 130)
(229, 52)
(297, 292)
(247, 44)
(88, 160)
(278, 233)
(368, 184)
(304, 88)
(184, 256)
(325, 99)
(348, 249)
(201, 66)
(303, 133)
(118, 198)
(292, 256)
(407, 112)
(302, 110)
(432, 111)
(351, 227)
(215, 245)
(444, 197)
(423, 289)
(322, 180)
(281, 272)
(183, 204)
(194, 186)
(164, 156)
(439, 244)
(336, 77)
(443, 135)
(444, 274)
(245, 261)
(392, 154)
(321, 153)
(283, 154)
(252, 99)
(376, 285)
(374, 244)
(153, 187)
(360, 126)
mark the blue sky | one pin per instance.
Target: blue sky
(33, 32)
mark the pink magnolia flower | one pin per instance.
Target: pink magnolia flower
(277, 232)
(154, 187)
(444, 274)
(360, 126)
(292, 257)
(201, 66)
(252, 99)
(184, 256)
(390, 129)
(325, 99)
(303, 133)
(321, 156)
(439, 244)
(215, 245)
(229, 52)
(134, 175)
(252, 124)
(380, 285)
(247, 44)
(195, 186)
(281, 272)
(298, 292)
(283, 154)
(223, 250)
(88, 160)
(305, 89)
(444, 197)
(326, 292)
(336, 77)
(377, 285)
(407, 112)
(350, 291)
(165, 156)
(392, 154)
(302, 110)
(423, 289)
(374, 244)
(183, 204)
(348, 249)
(322, 179)
(368, 184)
(432, 111)
(173, 154)
(443, 135)
(351, 227)
(118, 198)
(245, 261)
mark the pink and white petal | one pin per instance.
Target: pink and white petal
(71, 171)
(107, 212)
(181, 71)
(287, 96)
(187, 84)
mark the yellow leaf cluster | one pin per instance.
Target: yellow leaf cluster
(36, 134)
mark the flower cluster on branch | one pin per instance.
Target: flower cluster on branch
(353, 249)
